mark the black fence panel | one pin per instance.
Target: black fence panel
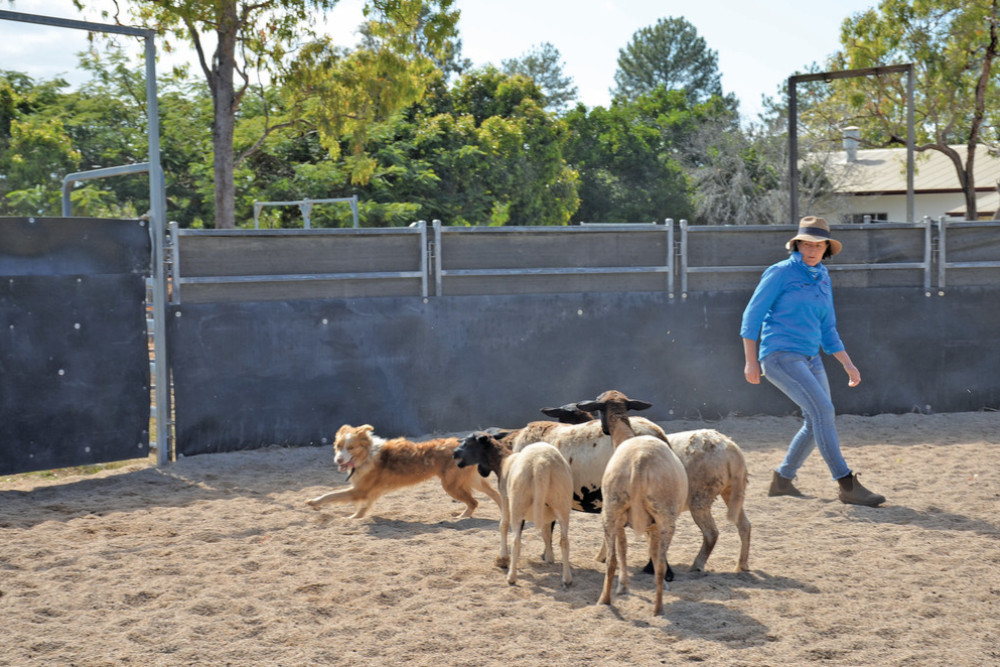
(290, 373)
(74, 362)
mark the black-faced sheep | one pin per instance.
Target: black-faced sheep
(644, 485)
(535, 484)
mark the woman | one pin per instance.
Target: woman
(792, 314)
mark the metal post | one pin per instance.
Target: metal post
(927, 255)
(909, 145)
(669, 223)
(306, 208)
(942, 255)
(437, 257)
(793, 154)
(684, 258)
(158, 226)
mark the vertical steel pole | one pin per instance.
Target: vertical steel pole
(158, 228)
(909, 144)
(793, 152)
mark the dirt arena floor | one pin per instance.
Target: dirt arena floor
(216, 560)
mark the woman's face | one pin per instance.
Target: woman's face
(812, 251)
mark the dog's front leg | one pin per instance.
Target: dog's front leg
(349, 495)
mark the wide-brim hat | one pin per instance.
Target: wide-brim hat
(816, 230)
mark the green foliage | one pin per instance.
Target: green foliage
(670, 54)
(543, 64)
(629, 158)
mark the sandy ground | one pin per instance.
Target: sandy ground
(215, 560)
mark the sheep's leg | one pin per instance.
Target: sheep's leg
(548, 556)
(734, 502)
(659, 540)
(743, 526)
(710, 534)
(564, 547)
(515, 553)
(610, 530)
(602, 555)
(504, 558)
(623, 550)
(656, 555)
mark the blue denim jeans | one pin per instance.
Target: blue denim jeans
(803, 379)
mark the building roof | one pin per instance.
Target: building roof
(882, 171)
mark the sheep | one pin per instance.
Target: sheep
(585, 447)
(645, 485)
(715, 466)
(535, 484)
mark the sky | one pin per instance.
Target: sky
(759, 44)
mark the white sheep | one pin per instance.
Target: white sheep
(535, 484)
(645, 486)
(715, 467)
(714, 463)
(585, 447)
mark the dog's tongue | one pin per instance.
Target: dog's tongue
(344, 467)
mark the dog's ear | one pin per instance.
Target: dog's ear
(366, 428)
(483, 470)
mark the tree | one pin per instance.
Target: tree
(629, 159)
(671, 54)
(35, 148)
(953, 45)
(255, 36)
(544, 65)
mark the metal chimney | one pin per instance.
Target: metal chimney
(852, 138)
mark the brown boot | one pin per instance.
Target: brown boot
(782, 487)
(852, 493)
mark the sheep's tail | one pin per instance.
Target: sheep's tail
(541, 492)
(640, 516)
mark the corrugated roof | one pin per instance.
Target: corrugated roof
(883, 171)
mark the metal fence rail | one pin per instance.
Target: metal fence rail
(976, 244)
(900, 247)
(290, 264)
(587, 250)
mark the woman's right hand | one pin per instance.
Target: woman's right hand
(751, 371)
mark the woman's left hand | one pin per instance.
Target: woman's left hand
(853, 375)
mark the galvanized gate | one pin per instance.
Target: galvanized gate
(74, 353)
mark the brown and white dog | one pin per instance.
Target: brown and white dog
(378, 466)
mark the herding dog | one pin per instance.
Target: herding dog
(378, 466)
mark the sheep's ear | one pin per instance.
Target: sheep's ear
(590, 406)
(634, 404)
(483, 470)
(568, 414)
(498, 433)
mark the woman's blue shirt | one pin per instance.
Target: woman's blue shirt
(792, 310)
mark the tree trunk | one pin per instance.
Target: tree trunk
(224, 108)
(969, 185)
